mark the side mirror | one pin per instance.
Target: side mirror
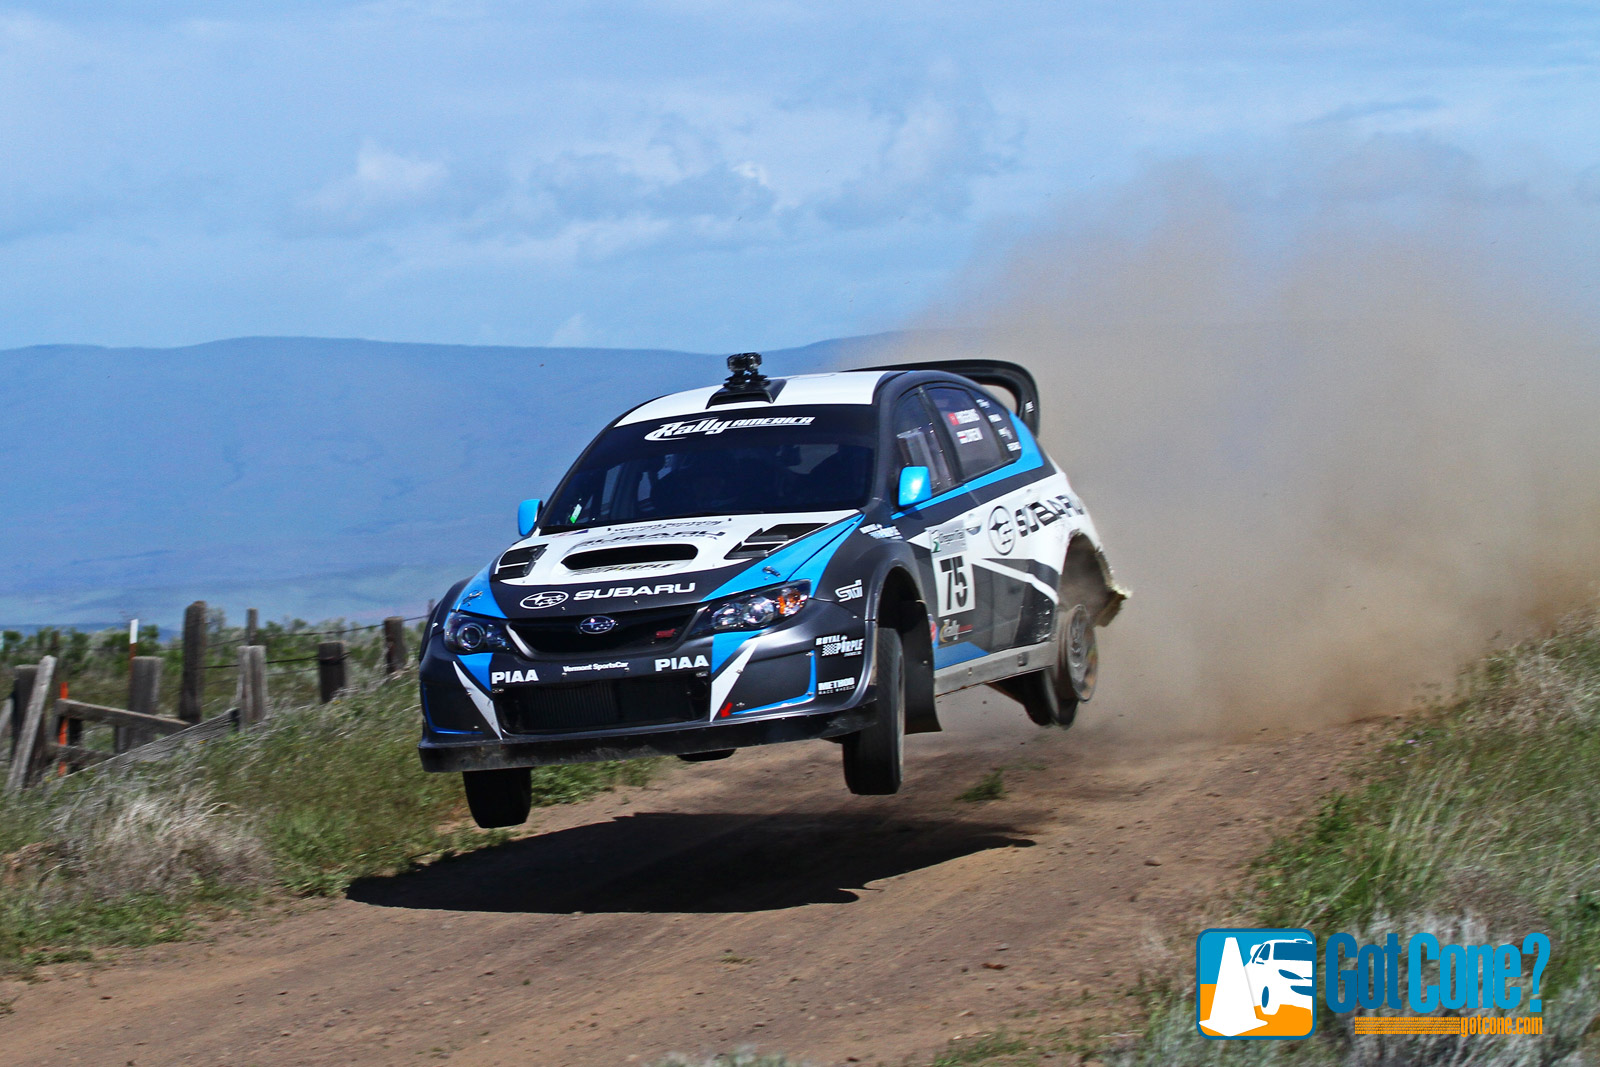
(528, 515)
(916, 485)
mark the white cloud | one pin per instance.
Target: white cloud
(385, 185)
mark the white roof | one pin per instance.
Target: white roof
(841, 387)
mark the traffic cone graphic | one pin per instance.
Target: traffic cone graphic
(1233, 1010)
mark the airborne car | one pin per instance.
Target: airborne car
(773, 560)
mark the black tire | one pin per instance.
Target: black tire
(874, 757)
(705, 757)
(499, 798)
(1051, 696)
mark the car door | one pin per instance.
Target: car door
(999, 594)
(936, 528)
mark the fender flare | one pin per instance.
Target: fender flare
(908, 614)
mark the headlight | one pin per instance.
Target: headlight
(756, 610)
(467, 634)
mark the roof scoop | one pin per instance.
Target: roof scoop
(746, 383)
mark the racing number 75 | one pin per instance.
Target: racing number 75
(955, 587)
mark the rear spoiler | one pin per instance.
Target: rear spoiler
(993, 374)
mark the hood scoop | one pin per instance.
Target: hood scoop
(765, 542)
(517, 562)
(606, 558)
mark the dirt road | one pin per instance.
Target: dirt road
(746, 903)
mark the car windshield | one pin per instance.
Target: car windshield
(737, 462)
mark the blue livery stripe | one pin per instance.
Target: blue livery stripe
(477, 665)
(950, 655)
(482, 604)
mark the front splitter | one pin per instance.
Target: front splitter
(526, 751)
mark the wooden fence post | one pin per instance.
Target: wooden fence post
(252, 621)
(330, 669)
(30, 746)
(5, 721)
(191, 698)
(394, 644)
(21, 690)
(252, 699)
(144, 696)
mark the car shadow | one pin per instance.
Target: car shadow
(667, 862)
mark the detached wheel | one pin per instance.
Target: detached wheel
(1051, 696)
(874, 757)
(499, 798)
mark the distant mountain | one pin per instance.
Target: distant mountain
(305, 477)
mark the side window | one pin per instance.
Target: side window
(978, 448)
(999, 417)
(918, 441)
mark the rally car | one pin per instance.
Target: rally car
(773, 560)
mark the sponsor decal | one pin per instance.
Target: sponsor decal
(642, 566)
(681, 663)
(951, 630)
(585, 668)
(882, 531)
(835, 686)
(1013, 446)
(597, 624)
(634, 590)
(1265, 983)
(1037, 514)
(849, 592)
(951, 538)
(969, 436)
(654, 534)
(840, 645)
(1002, 531)
(962, 418)
(667, 431)
(512, 677)
(545, 598)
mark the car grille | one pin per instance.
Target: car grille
(636, 631)
(538, 709)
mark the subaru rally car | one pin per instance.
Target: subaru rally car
(773, 560)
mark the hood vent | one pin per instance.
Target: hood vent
(517, 562)
(621, 557)
(765, 542)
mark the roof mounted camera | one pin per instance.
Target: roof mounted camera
(746, 383)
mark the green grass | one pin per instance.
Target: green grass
(991, 786)
(316, 797)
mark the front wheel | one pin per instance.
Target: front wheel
(874, 757)
(499, 798)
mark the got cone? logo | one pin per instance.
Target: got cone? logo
(1254, 983)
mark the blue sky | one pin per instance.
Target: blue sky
(707, 176)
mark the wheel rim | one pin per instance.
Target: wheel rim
(1080, 659)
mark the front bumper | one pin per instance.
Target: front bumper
(801, 680)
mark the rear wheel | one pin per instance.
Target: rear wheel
(499, 798)
(874, 757)
(1051, 696)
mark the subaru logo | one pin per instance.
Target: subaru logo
(597, 624)
(549, 598)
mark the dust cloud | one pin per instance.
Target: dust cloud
(1333, 466)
